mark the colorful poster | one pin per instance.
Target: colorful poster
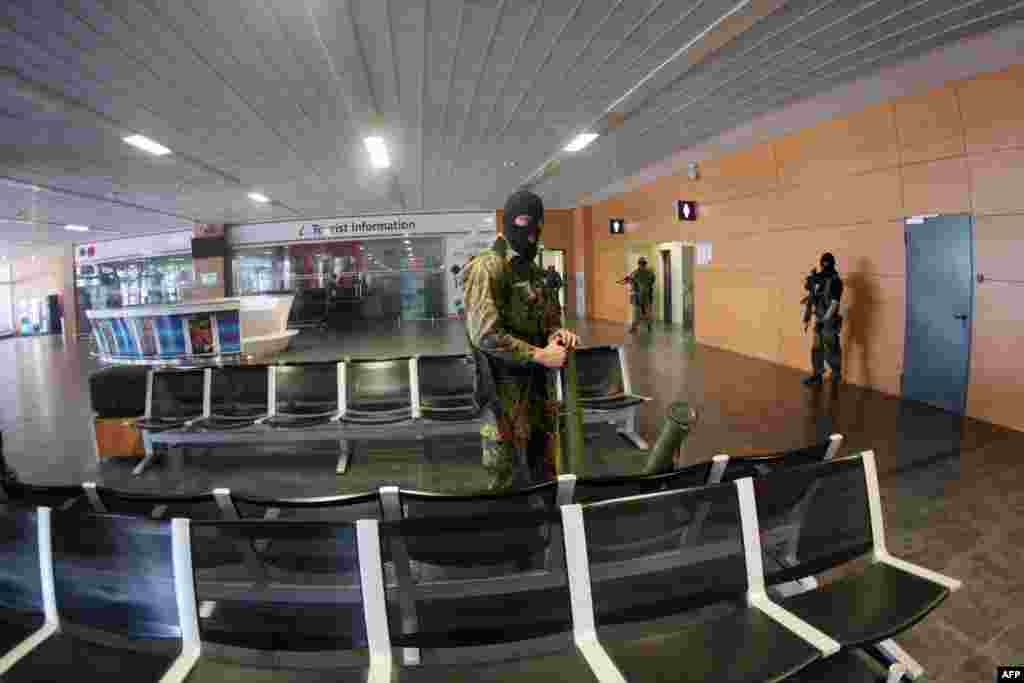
(200, 334)
(107, 330)
(123, 337)
(146, 330)
(172, 338)
(230, 334)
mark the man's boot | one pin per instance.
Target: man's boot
(813, 380)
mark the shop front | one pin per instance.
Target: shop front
(131, 272)
(379, 268)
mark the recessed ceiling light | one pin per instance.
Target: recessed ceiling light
(580, 141)
(77, 228)
(147, 145)
(509, 164)
(378, 152)
(407, 241)
(257, 197)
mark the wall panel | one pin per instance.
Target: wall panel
(738, 311)
(857, 143)
(929, 125)
(738, 174)
(997, 247)
(996, 393)
(997, 179)
(853, 199)
(936, 187)
(745, 215)
(993, 110)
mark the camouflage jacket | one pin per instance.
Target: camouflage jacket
(509, 314)
(643, 284)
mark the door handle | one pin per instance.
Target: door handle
(961, 316)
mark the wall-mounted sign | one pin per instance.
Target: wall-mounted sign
(686, 210)
(617, 226)
(362, 228)
(703, 253)
(208, 230)
(135, 247)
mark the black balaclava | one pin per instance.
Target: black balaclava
(828, 263)
(524, 215)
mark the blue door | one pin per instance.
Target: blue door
(940, 298)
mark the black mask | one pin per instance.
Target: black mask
(524, 214)
(828, 263)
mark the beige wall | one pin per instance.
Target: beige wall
(50, 271)
(845, 186)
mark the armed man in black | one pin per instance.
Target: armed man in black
(824, 292)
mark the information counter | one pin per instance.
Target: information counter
(193, 333)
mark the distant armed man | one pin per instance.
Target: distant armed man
(824, 292)
(641, 281)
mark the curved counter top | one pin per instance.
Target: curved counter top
(193, 333)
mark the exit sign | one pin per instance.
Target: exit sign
(616, 226)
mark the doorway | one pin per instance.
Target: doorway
(940, 302)
(688, 256)
(556, 258)
(666, 279)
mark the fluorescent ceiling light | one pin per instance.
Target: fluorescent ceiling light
(257, 197)
(77, 228)
(378, 152)
(580, 141)
(147, 145)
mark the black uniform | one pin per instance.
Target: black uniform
(824, 288)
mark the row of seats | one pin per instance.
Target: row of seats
(674, 585)
(390, 503)
(363, 397)
(358, 391)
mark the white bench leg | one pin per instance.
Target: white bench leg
(628, 430)
(344, 454)
(147, 443)
(898, 655)
(95, 441)
(895, 674)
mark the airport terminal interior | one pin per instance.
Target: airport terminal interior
(486, 340)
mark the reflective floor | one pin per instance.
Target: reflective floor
(953, 489)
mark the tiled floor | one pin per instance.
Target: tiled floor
(953, 489)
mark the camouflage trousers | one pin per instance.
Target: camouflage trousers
(826, 349)
(641, 313)
(521, 447)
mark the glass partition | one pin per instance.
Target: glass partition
(6, 301)
(114, 284)
(371, 279)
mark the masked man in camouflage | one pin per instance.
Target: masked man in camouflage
(641, 281)
(514, 327)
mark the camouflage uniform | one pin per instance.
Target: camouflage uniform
(642, 297)
(509, 314)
